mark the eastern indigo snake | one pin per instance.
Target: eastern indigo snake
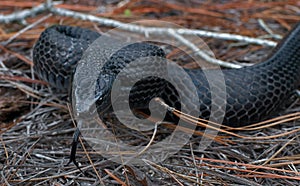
(252, 93)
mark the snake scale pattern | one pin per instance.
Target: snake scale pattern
(253, 93)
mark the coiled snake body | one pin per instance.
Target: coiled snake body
(252, 93)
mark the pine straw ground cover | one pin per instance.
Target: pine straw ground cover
(37, 129)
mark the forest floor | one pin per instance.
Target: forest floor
(37, 128)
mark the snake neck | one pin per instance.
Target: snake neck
(287, 52)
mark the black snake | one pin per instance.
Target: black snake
(252, 93)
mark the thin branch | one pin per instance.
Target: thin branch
(174, 32)
(268, 30)
(160, 30)
(201, 53)
(177, 33)
(25, 29)
(22, 15)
